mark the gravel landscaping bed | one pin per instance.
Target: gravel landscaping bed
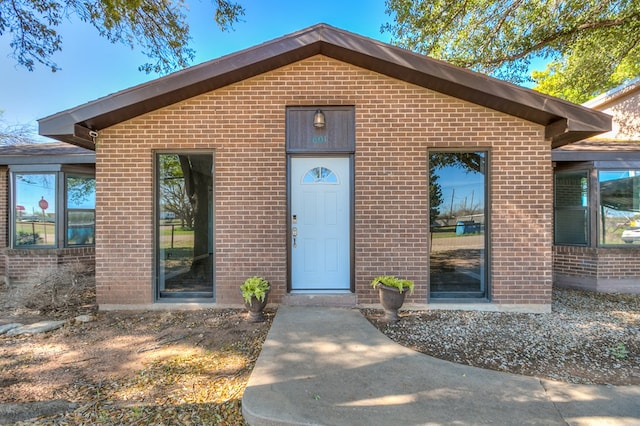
(588, 338)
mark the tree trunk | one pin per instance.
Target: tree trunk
(198, 179)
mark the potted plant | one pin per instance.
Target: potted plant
(392, 292)
(254, 292)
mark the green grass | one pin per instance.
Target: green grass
(448, 232)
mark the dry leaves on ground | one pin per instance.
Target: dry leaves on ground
(171, 367)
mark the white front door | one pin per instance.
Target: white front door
(320, 224)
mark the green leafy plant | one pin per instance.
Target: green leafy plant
(26, 238)
(391, 281)
(254, 286)
(619, 351)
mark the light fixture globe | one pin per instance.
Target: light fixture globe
(318, 119)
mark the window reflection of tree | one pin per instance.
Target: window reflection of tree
(186, 188)
(456, 262)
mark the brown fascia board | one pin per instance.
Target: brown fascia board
(570, 122)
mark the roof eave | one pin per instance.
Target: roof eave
(129, 103)
(566, 131)
(340, 45)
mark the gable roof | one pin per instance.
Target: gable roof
(565, 122)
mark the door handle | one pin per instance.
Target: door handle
(294, 234)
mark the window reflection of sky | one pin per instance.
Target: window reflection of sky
(626, 188)
(604, 176)
(31, 188)
(465, 187)
(88, 202)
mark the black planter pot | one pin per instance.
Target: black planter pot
(391, 300)
(256, 308)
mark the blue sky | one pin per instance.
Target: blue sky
(461, 188)
(92, 67)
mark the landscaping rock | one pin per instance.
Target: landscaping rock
(11, 413)
(7, 327)
(84, 318)
(39, 327)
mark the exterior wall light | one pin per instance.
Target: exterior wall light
(318, 119)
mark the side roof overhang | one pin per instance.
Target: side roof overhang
(45, 153)
(565, 122)
(599, 150)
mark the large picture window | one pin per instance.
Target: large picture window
(53, 209)
(619, 194)
(458, 210)
(571, 202)
(184, 225)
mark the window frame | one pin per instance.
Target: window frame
(587, 208)
(182, 296)
(486, 284)
(60, 173)
(595, 214)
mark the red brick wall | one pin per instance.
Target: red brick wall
(605, 269)
(575, 261)
(619, 263)
(23, 263)
(396, 124)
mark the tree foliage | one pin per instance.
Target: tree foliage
(15, 134)
(81, 190)
(173, 196)
(591, 45)
(157, 26)
(435, 196)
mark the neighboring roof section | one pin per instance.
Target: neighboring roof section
(623, 104)
(565, 122)
(46, 153)
(622, 143)
(600, 102)
(598, 150)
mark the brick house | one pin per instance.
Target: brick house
(597, 207)
(36, 176)
(320, 160)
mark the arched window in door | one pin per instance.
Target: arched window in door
(320, 175)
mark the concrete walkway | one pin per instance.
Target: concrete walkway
(330, 366)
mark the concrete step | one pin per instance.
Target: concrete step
(347, 300)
